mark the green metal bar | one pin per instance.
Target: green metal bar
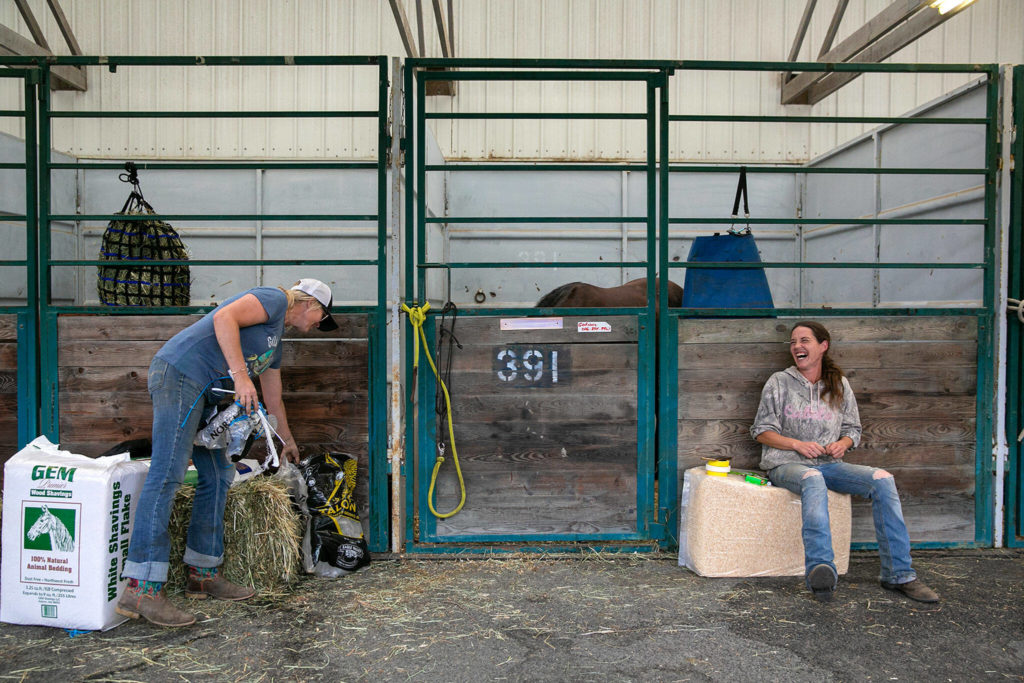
(696, 168)
(697, 65)
(596, 116)
(180, 310)
(12, 165)
(112, 114)
(217, 165)
(826, 312)
(49, 409)
(646, 349)
(984, 466)
(532, 76)
(531, 166)
(28, 320)
(409, 461)
(519, 264)
(709, 118)
(377, 361)
(223, 262)
(820, 170)
(537, 219)
(193, 60)
(830, 221)
(1014, 481)
(139, 218)
(668, 412)
(826, 264)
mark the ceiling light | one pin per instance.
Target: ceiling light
(945, 6)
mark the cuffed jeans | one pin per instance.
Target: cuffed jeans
(858, 480)
(178, 405)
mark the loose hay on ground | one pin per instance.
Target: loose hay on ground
(262, 535)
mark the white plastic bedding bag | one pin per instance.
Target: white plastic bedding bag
(67, 520)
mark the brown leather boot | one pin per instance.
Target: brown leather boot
(153, 606)
(210, 584)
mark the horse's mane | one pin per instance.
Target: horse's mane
(557, 296)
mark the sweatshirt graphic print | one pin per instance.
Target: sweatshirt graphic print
(793, 407)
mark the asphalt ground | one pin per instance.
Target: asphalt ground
(587, 617)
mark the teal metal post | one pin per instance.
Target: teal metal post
(668, 322)
(49, 409)
(1014, 482)
(28, 322)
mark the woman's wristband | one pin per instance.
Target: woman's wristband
(232, 373)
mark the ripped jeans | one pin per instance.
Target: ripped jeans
(858, 480)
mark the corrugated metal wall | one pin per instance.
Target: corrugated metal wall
(629, 29)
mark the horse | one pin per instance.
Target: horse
(585, 295)
(60, 538)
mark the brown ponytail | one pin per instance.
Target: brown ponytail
(831, 374)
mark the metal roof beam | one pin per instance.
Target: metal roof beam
(64, 77)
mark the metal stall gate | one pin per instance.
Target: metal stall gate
(1014, 500)
(892, 245)
(551, 408)
(94, 360)
(19, 330)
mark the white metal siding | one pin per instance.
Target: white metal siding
(581, 29)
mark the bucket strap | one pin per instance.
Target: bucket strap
(741, 191)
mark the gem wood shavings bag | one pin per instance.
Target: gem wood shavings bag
(67, 520)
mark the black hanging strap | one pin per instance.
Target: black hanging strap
(741, 191)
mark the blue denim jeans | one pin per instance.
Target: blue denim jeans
(859, 480)
(178, 405)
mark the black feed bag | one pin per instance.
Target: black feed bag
(129, 244)
(336, 534)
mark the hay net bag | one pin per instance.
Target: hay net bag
(336, 538)
(129, 244)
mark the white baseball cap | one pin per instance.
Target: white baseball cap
(322, 293)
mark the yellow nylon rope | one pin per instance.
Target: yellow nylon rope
(417, 316)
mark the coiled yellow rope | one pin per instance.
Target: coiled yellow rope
(417, 316)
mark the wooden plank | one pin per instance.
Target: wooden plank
(582, 382)
(8, 382)
(942, 518)
(743, 401)
(8, 328)
(543, 405)
(959, 380)
(910, 328)
(103, 406)
(9, 356)
(133, 379)
(80, 327)
(873, 354)
(114, 353)
(566, 434)
(487, 331)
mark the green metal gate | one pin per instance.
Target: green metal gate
(41, 303)
(982, 318)
(537, 491)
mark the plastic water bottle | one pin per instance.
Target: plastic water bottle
(215, 434)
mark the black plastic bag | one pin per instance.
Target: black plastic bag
(336, 538)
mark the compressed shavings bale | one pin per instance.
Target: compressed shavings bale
(729, 527)
(262, 535)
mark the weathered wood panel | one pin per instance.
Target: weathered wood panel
(8, 388)
(540, 453)
(915, 379)
(103, 400)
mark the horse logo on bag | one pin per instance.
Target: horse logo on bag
(50, 524)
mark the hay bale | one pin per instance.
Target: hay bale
(262, 535)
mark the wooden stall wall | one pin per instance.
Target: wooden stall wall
(103, 366)
(8, 388)
(915, 380)
(546, 429)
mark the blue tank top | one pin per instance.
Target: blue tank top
(196, 354)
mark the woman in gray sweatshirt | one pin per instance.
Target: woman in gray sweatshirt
(806, 422)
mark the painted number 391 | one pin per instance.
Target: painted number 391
(528, 365)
